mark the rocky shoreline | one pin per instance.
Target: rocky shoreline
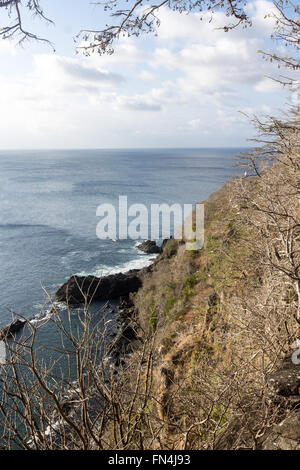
(10, 330)
(122, 344)
(79, 290)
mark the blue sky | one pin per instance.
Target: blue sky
(188, 87)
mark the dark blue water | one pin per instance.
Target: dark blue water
(48, 202)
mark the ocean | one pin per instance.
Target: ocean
(48, 202)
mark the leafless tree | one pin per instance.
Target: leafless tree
(142, 17)
(15, 28)
(76, 396)
(286, 33)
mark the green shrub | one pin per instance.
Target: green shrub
(152, 318)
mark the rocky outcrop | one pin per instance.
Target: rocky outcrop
(285, 435)
(78, 289)
(170, 247)
(285, 382)
(126, 340)
(149, 247)
(10, 330)
(284, 390)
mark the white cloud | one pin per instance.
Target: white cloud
(195, 123)
(138, 103)
(7, 47)
(263, 14)
(127, 50)
(267, 85)
(57, 73)
(146, 75)
(171, 90)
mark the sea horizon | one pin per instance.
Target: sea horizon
(218, 147)
(48, 218)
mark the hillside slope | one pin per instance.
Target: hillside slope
(217, 326)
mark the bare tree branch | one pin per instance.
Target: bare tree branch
(16, 28)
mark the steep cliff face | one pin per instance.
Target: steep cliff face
(222, 320)
(184, 304)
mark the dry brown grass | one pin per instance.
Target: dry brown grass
(226, 316)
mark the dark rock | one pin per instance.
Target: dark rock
(67, 407)
(285, 382)
(126, 302)
(123, 346)
(166, 240)
(170, 247)
(285, 435)
(126, 340)
(129, 333)
(10, 330)
(77, 289)
(149, 247)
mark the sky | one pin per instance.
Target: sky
(191, 86)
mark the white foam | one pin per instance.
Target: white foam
(47, 312)
(104, 270)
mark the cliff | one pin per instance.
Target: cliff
(207, 351)
(218, 326)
